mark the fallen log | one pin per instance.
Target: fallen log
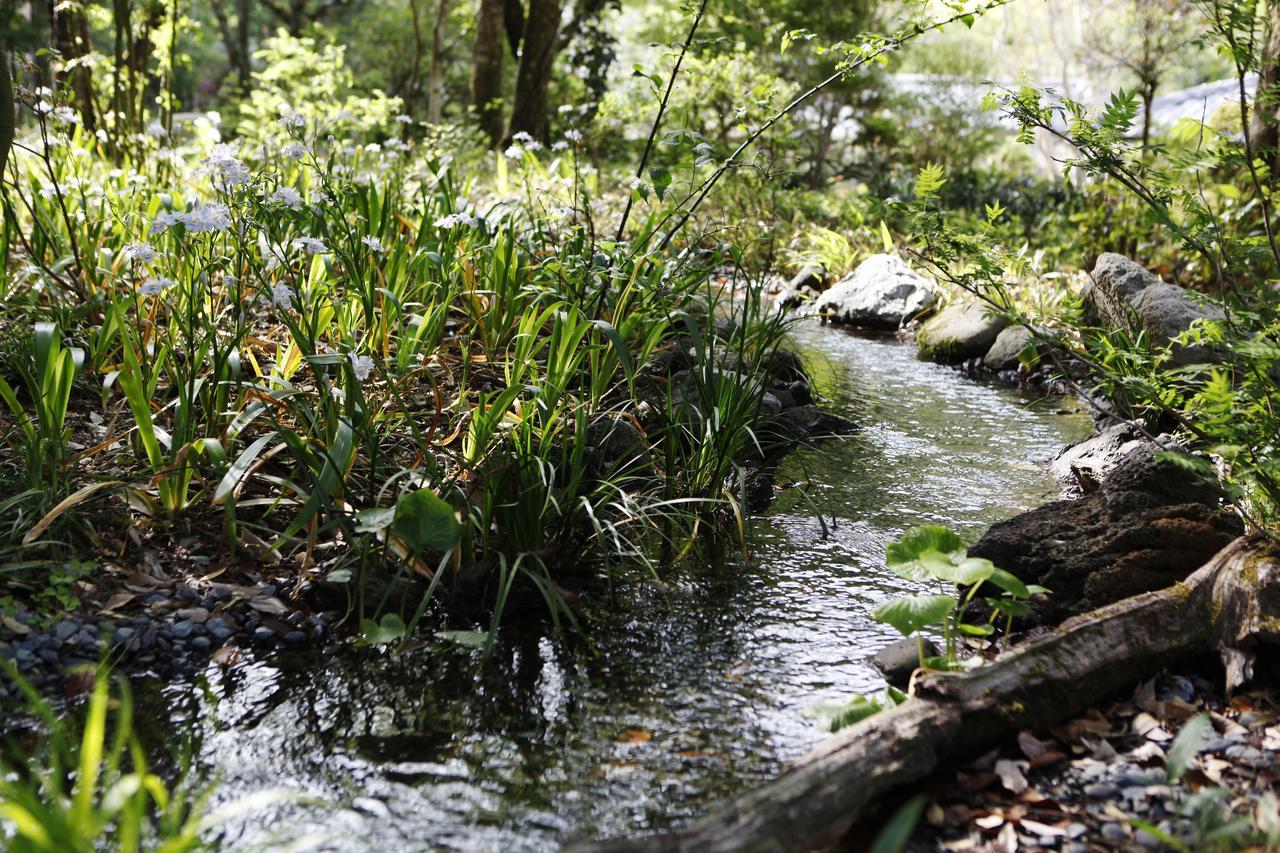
(1229, 606)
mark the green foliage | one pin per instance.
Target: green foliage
(91, 789)
(933, 553)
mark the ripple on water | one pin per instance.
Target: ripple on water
(694, 693)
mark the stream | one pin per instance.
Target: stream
(696, 691)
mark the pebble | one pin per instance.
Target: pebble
(295, 639)
(219, 630)
(1248, 755)
(1101, 791)
(65, 629)
(1114, 832)
(264, 634)
(182, 630)
(201, 644)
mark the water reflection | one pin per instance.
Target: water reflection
(693, 692)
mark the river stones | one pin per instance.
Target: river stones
(1148, 524)
(804, 287)
(1082, 467)
(1125, 295)
(898, 660)
(1007, 351)
(883, 293)
(961, 331)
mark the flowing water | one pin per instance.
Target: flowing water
(695, 692)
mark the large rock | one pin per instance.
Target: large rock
(1125, 295)
(961, 331)
(1085, 465)
(882, 293)
(806, 286)
(1148, 525)
(1007, 351)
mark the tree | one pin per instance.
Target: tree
(486, 68)
(1265, 122)
(1145, 41)
(70, 29)
(538, 47)
(235, 38)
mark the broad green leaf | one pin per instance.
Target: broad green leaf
(390, 630)
(903, 556)
(913, 613)
(976, 630)
(895, 834)
(1009, 583)
(426, 522)
(467, 639)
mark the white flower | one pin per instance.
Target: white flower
(207, 217)
(296, 151)
(515, 152)
(522, 138)
(281, 296)
(229, 280)
(559, 146)
(164, 219)
(455, 219)
(153, 286)
(142, 252)
(361, 365)
(573, 137)
(321, 197)
(293, 120)
(373, 148)
(287, 196)
(66, 114)
(223, 164)
(157, 130)
(374, 244)
(404, 119)
(42, 108)
(310, 245)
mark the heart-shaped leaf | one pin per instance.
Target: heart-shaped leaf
(903, 556)
(913, 613)
(391, 630)
(1009, 584)
(425, 522)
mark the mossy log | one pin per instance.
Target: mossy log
(1229, 606)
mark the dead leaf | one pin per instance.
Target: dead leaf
(1145, 697)
(120, 599)
(1031, 746)
(1048, 759)
(991, 821)
(1101, 750)
(635, 735)
(195, 614)
(1043, 829)
(1007, 840)
(1147, 754)
(268, 604)
(1010, 773)
(1149, 727)
(15, 626)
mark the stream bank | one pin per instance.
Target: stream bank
(693, 691)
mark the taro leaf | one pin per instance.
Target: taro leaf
(1185, 746)
(913, 613)
(375, 519)
(976, 630)
(903, 556)
(965, 572)
(860, 707)
(392, 629)
(1009, 583)
(425, 522)
(466, 639)
(1010, 607)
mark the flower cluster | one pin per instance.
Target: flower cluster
(202, 218)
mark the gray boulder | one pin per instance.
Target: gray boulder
(1006, 353)
(1124, 294)
(961, 331)
(882, 293)
(806, 286)
(1082, 467)
(897, 661)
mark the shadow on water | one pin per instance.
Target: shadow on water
(695, 691)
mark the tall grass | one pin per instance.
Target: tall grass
(292, 340)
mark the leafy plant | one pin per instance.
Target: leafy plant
(933, 553)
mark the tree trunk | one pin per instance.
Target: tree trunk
(1228, 606)
(1264, 124)
(1148, 97)
(7, 118)
(71, 40)
(486, 69)
(435, 83)
(513, 23)
(537, 53)
(236, 40)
